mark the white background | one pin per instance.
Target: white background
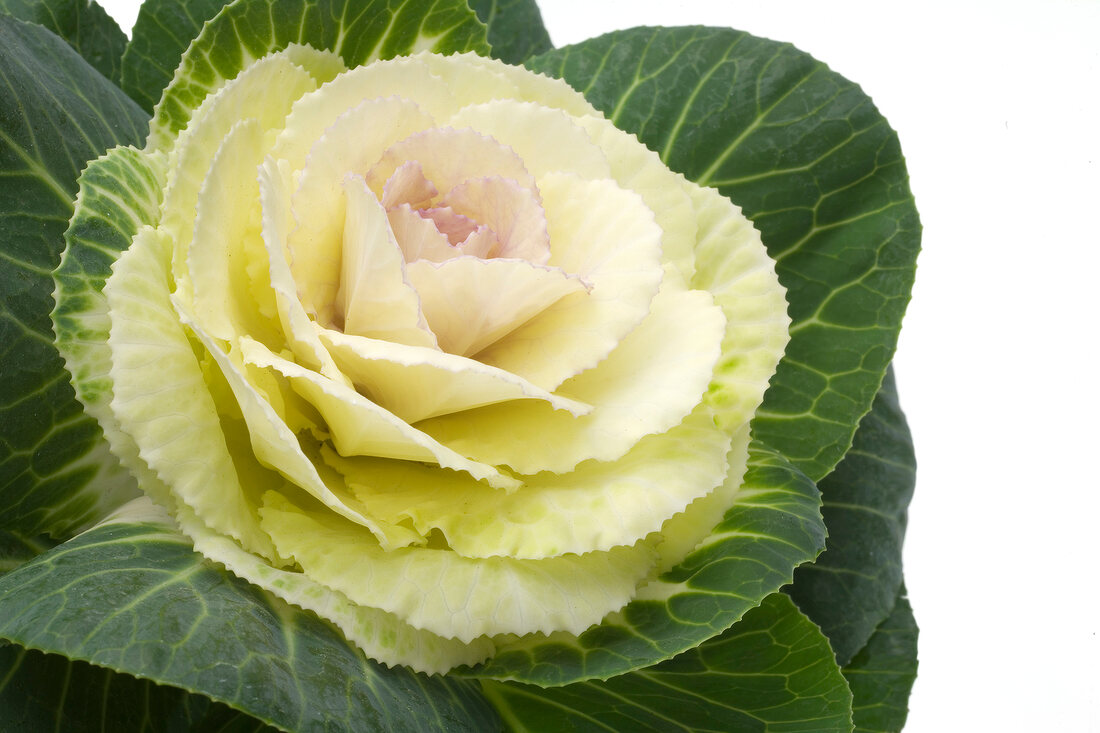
(998, 108)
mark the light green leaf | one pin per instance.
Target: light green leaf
(881, 675)
(820, 173)
(773, 672)
(774, 526)
(119, 193)
(83, 24)
(58, 113)
(358, 32)
(41, 692)
(853, 586)
(516, 31)
(135, 598)
(163, 31)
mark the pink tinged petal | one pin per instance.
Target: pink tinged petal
(350, 145)
(455, 227)
(482, 243)
(607, 236)
(420, 239)
(514, 214)
(416, 383)
(408, 185)
(448, 157)
(471, 302)
(375, 297)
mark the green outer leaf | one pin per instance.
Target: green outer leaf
(854, 585)
(774, 526)
(56, 112)
(16, 549)
(357, 30)
(49, 692)
(137, 599)
(882, 674)
(119, 192)
(84, 25)
(772, 672)
(163, 31)
(516, 32)
(820, 173)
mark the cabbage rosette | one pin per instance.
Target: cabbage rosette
(423, 346)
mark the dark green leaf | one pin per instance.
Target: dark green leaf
(16, 549)
(40, 692)
(773, 672)
(882, 674)
(516, 32)
(357, 30)
(56, 112)
(774, 526)
(820, 172)
(83, 24)
(135, 598)
(163, 31)
(853, 586)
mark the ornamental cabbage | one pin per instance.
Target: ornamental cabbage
(366, 358)
(423, 346)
